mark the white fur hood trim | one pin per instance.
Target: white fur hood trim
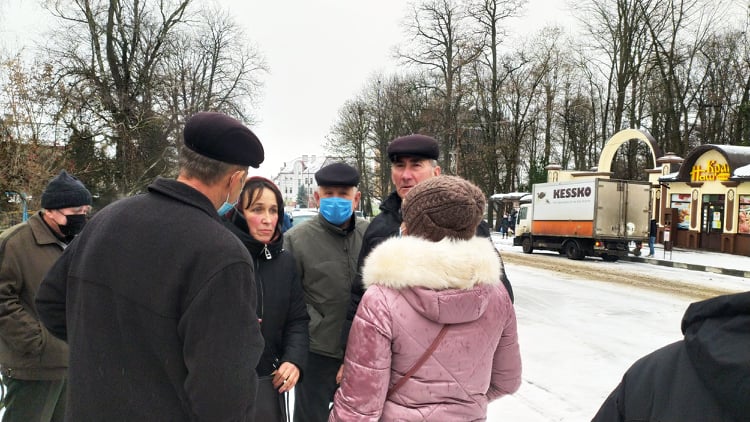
(409, 261)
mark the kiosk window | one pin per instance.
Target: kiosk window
(681, 201)
(743, 225)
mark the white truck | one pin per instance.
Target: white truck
(595, 217)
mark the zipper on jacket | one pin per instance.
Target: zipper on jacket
(259, 282)
(267, 252)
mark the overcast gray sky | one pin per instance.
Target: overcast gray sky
(320, 53)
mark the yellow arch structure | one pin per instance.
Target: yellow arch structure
(619, 138)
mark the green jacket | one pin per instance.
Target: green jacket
(326, 258)
(27, 350)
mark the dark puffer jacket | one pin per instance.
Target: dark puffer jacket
(281, 302)
(704, 377)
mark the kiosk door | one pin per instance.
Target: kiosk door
(712, 218)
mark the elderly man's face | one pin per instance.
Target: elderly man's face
(407, 172)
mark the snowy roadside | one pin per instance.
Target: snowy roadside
(650, 268)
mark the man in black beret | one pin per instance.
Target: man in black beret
(156, 298)
(33, 363)
(413, 160)
(418, 146)
(222, 138)
(326, 250)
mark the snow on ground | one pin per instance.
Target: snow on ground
(578, 337)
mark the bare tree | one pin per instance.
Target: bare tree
(212, 66)
(618, 38)
(488, 76)
(719, 87)
(678, 30)
(518, 95)
(31, 136)
(442, 44)
(132, 71)
(349, 141)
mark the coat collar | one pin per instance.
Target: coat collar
(184, 193)
(392, 204)
(43, 234)
(404, 262)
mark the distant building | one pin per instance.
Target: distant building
(300, 172)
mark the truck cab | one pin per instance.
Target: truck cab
(523, 221)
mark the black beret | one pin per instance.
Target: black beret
(65, 191)
(223, 138)
(337, 174)
(413, 146)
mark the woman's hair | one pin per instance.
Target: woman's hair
(252, 190)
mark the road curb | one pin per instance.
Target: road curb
(692, 267)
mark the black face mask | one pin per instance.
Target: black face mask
(74, 226)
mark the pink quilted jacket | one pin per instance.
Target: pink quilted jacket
(414, 287)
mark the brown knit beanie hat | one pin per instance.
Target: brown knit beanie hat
(443, 206)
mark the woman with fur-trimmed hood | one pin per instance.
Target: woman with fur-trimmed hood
(437, 275)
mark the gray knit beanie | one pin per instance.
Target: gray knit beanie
(443, 206)
(65, 191)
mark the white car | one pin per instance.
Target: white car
(304, 214)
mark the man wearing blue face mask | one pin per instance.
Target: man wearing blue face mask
(326, 250)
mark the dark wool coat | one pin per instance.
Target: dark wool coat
(156, 299)
(281, 302)
(27, 350)
(704, 377)
(383, 226)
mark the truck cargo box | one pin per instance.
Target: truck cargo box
(601, 208)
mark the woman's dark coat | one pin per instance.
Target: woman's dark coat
(281, 304)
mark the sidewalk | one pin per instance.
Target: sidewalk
(719, 263)
(713, 262)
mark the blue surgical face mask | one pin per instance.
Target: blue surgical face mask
(336, 210)
(226, 206)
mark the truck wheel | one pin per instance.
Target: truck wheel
(573, 250)
(610, 258)
(527, 245)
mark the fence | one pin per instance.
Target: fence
(10, 218)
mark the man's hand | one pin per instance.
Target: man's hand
(340, 374)
(285, 377)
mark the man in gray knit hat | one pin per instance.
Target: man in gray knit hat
(34, 363)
